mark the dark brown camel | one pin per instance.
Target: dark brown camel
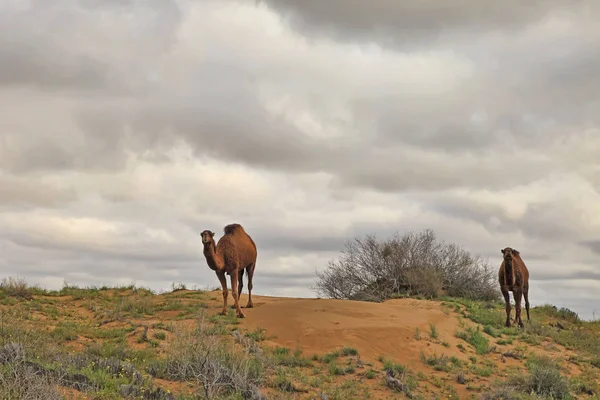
(234, 252)
(514, 276)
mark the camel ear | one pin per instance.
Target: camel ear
(212, 234)
(502, 251)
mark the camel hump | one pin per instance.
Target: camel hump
(233, 228)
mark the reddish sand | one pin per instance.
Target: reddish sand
(374, 329)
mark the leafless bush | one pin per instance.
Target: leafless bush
(14, 330)
(500, 393)
(20, 379)
(16, 287)
(249, 344)
(399, 384)
(414, 264)
(218, 366)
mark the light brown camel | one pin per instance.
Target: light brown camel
(234, 252)
(514, 276)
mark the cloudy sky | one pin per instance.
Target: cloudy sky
(127, 127)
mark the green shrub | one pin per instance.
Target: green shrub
(475, 339)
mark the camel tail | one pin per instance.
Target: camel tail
(233, 228)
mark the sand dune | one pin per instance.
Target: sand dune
(374, 329)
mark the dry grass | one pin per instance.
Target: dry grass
(127, 342)
(16, 287)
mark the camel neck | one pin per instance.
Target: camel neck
(508, 270)
(213, 259)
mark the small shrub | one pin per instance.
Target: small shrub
(439, 363)
(335, 369)
(370, 374)
(176, 287)
(455, 361)
(476, 339)
(585, 385)
(546, 379)
(484, 371)
(433, 333)
(210, 362)
(502, 392)
(404, 383)
(258, 335)
(283, 382)
(349, 351)
(282, 356)
(19, 380)
(327, 358)
(563, 313)
(493, 332)
(389, 365)
(417, 334)
(16, 287)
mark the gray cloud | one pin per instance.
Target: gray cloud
(26, 65)
(411, 25)
(53, 46)
(593, 245)
(127, 127)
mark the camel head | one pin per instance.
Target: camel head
(207, 237)
(508, 253)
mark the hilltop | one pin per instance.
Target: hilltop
(110, 343)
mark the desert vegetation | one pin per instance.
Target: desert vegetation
(132, 343)
(415, 264)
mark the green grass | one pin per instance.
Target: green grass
(439, 363)
(370, 374)
(389, 365)
(543, 380)
(335, 369)
(433, 332)
(349, 351)
(327, 358)
(493, 332)
(64, 332)
(258, 335)
(282, 356)
(483, 313)
(474, 337)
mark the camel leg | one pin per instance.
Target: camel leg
(240, 286)
(234, 292)
(518, 293)
(526, 296)
(241, 283)
(223, 280)
(250, 271)
(507, 301)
